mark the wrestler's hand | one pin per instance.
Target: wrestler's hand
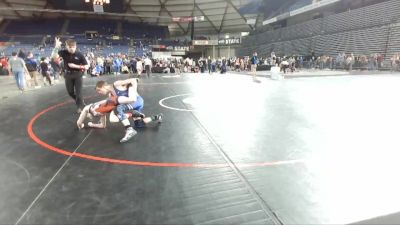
(96, 125)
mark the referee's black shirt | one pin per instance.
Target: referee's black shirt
(76, 58)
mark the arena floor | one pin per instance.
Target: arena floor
(230, 151)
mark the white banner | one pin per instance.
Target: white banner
(161, 55)
(98, 8)
(205, 42)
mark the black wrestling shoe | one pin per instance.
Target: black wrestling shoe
(159, 118)
(137, 114)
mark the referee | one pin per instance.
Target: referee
(75, 65)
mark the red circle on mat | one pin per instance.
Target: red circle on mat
(66, 152)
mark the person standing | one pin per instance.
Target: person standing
(147, 66)
(254, 63)
(18, 68)
(56, 65)
(133, 65)
(139, 67)
(4, 65)
(32, 67)
(117, 64)
(108, 64)
(44, 69)
(75, 65)
(350, 61)
(209, 64)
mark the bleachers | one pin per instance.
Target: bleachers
(361, 31)
(31, 40)
(27, 48)
(357, 41)
(29, 35)
(144, 31)
(373, 15)
(290, 6)
(364, 41)
(4, 39)
(393, 46)
(31, 27)
(101, 26)
(76, 26)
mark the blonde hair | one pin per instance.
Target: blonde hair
(101, 84)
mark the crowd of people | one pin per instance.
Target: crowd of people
(342, 61)
(118, 64)
(50, 68)
(28, 69)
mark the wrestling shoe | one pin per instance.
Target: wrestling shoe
(130, 133)
(159, 118)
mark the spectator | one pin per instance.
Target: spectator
(44, 68)
(117, 64)
(379, 60)
(147, 66)
(55, 64)
(4, 66)
(133, 65)
(395, 62)
(209, 64)
(350, 61)
(32, 67)
(18, 68)
(139, 67)
(21, 54)
(108, 65)
(254, 63)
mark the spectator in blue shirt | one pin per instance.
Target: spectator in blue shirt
(254, 63)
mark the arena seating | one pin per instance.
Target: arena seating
(140, 31)
(289, 6)
(393, 42)
(101, 26)
(362, 31)
(26, 35)
(34, 27)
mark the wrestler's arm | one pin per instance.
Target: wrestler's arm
(132, 81)
(101, 102)
(101, 125)
(82, 117)
(131, 99)
(132, 91)
(103, 117)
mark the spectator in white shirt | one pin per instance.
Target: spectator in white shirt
(147, 66)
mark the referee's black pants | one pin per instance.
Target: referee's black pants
(73, 83)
